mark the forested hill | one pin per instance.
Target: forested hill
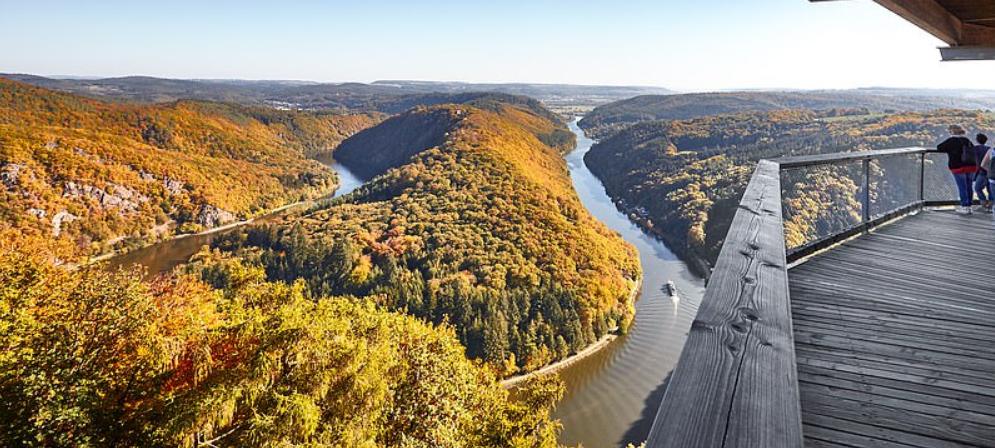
(384, 96)
(391, 144)
(472, 220)
(222, 352)
(394, 142)
(608, 118)
(98, 173)
(683, 179)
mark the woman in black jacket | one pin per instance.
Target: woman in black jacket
(962, 163)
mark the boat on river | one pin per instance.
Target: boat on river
(671, 289)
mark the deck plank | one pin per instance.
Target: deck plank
(895, 335)
(859, 434)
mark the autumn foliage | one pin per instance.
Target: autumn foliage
(471, 220)
(103, 174)
(93, 358)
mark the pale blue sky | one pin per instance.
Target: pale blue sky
(686, 45)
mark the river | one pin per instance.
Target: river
(168, 254)
(612, 396)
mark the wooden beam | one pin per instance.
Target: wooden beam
(736, 384)
(967, 53)
(930, 16)
(958, 25)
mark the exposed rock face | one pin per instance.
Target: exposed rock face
(172, 186)
(58, 219)
(77, 151)
(10, 175)
(127, 194)
(123, 198)
(211, 216)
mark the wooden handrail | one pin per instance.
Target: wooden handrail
(735, 384)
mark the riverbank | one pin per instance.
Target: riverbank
(563, 363)
(165, 254)
(696, 262)
(601, 343)
(614, 391)
(347, 181)
(109, 255)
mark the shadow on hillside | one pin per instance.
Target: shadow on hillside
(639, 430)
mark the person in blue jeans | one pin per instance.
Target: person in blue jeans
(962, 163)
(988, 162)
(981, 177)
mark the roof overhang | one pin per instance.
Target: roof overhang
(966, 26)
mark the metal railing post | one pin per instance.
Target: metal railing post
(867, 220)
(866, 215)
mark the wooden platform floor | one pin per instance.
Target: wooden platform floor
(895, 336)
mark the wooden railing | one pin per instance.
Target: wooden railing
(736, 384)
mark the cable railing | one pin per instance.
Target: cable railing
(736, 384)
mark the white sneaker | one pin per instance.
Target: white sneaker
(961, 210)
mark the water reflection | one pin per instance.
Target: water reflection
(612, 396)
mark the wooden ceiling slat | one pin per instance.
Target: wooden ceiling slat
(970, 10)
(967, 26)
(945, 19)
(929, 15)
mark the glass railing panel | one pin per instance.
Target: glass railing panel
(939, 184)
(894, 182)
(820, 201)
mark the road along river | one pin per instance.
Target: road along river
(166, 255)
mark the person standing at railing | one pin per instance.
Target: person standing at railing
(981, 177)
(988, 162)
(962, 163)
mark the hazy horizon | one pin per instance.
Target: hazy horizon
(710, 45)
(450, 81)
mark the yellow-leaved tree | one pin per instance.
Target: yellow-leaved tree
(220, 357)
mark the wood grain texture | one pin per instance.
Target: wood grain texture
(895, 336)
(929, 15)
(736, 383)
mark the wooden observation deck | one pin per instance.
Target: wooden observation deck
(881, 334)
